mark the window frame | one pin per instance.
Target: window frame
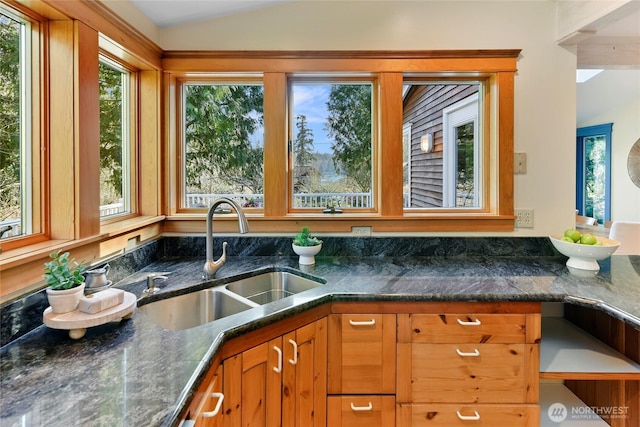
(495, 67)
(178, 170)
(130, 142)
(34, 143)
(450, 164)
(334, 78)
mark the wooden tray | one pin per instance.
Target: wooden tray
(77, 322)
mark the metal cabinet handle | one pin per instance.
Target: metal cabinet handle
(475, 353)
(278, 368)
(474, 417)
(216, 410)
(472, 323)
(294, 361)
(363, 322)
(361, 408)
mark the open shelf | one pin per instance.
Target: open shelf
(568, 352)
(576, 412)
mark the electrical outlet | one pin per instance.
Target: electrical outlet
(361, 231)
(524, 218)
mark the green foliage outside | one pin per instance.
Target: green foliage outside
(349, 125)
(303, 145)
(111, 85)
(219, 123)
(9, 119)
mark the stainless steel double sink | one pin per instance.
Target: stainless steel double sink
(204, 306)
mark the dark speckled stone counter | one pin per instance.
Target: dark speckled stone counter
(138, 374)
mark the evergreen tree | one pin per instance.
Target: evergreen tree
(303, 145)
(349, 125)
(219, 123)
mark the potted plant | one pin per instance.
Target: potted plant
(307, 246)
(65, 282)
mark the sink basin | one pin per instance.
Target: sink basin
(268, 287)
(193, 309)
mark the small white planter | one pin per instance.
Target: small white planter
(307, 253)
(65, 300)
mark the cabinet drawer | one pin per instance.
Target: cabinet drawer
(468, 328)
(489, 415)
(468, 373)
(362, 354)
(358, 411)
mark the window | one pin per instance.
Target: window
(19, 117)
(444, 151)
(115, 139)
(331, 148)
(396, 141)
(593, 172)
(223, 143)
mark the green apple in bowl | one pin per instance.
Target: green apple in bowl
(584, 256)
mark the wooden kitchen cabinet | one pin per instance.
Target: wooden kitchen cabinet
(362, 354)
(206, 408)
(461, 368)
(281, 382)
(361, 410)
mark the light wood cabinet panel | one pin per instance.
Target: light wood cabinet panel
(279, 383)
(362, 354)
(449, 415)
(358, 411)
(209, 412)
(304, 376)
(480, 373)
(468, 328)
(252, 387)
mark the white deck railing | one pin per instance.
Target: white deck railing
(300, 200)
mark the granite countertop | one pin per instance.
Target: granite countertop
(136, 373)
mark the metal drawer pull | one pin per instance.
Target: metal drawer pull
(474, 417)
(361, 408)
(215, 411)
(278, 368)
(475, 353)
(472, 323)
(362, 323)
(295, 352)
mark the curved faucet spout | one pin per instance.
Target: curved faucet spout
(211, 266)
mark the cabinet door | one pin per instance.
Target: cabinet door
(209, 412)
(304, 380)
(252, 386)
(362, 354)
(359, 411)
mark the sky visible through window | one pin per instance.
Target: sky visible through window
(311, 100)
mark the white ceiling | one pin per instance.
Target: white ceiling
(167, 13)
(605, 92)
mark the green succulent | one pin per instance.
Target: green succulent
(304, 238)
(62, 273)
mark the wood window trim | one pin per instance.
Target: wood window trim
(497, 67)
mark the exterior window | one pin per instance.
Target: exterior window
(406, 164)
(15, 132)
(331, 144)
(444, 154)
(223, 143)
(115, 139)
(593, 172)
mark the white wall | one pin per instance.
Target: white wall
(625, 196)
(545, 83)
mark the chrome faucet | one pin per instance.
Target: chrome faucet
(211, 266)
